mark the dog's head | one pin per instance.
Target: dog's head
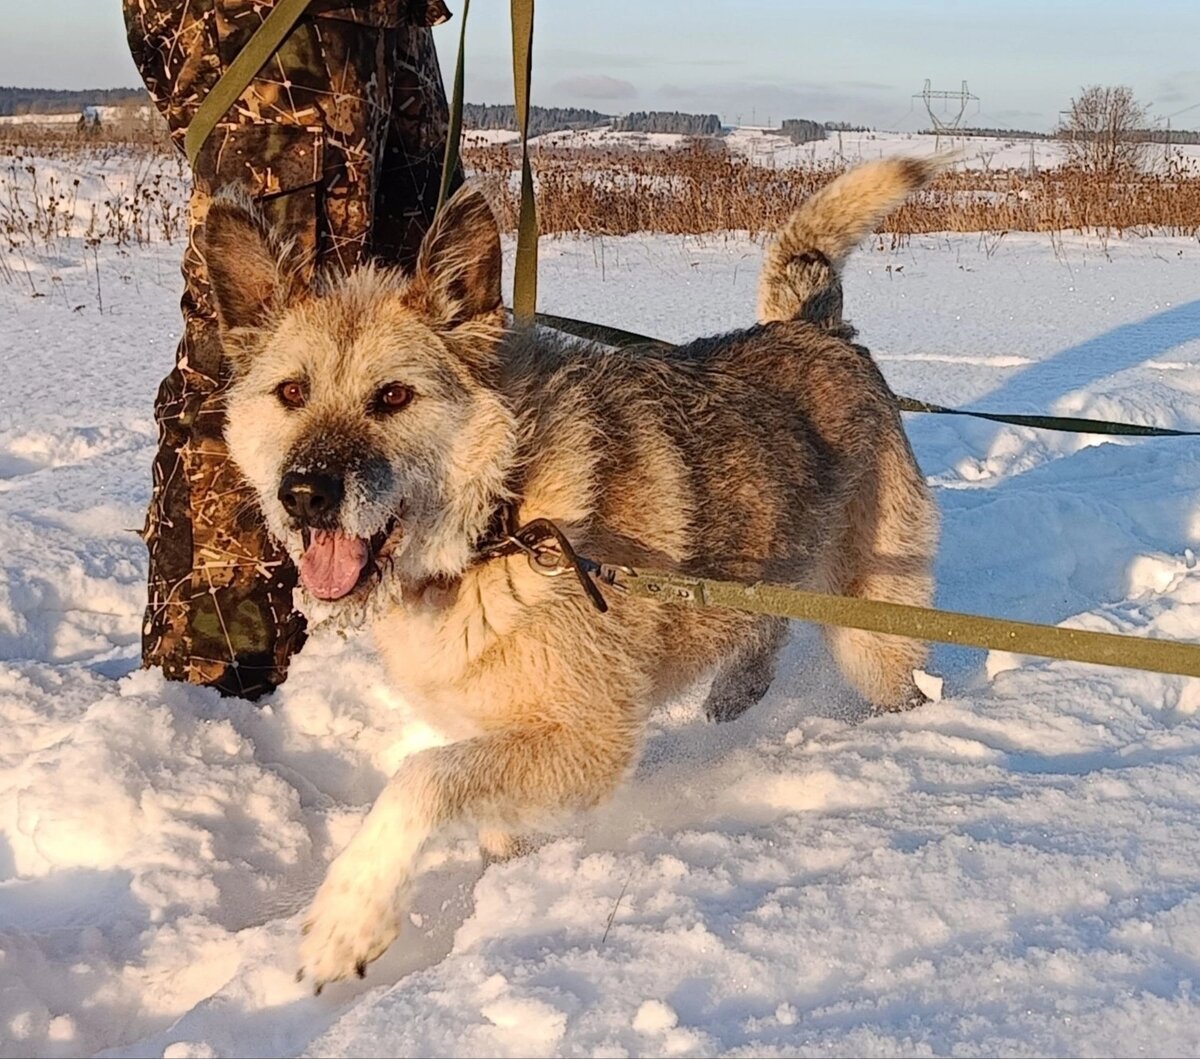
(363, 408)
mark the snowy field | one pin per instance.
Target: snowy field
(765, 147)
(1014, 869)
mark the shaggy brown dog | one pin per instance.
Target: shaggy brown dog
(385, 422)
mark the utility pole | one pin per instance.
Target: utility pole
(1063, 114)
(941, 126)
(1174, 114)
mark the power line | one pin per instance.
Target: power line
(941, 125)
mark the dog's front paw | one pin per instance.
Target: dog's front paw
(354, 918)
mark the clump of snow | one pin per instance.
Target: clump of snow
(655, 1017)
(1011, 869)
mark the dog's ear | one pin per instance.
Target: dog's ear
(253, 273)
(458, 269)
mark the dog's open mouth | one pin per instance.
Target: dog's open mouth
(334, 565)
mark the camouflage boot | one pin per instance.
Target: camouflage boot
(340, 138)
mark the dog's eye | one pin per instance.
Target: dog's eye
(292, 393)
(393, 397)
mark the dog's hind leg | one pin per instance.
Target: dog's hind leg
(888, 555)
(745, 678)
(509, 780)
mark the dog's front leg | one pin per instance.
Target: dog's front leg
(511, 780)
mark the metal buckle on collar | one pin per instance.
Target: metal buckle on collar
(545, 556)
(551, 555)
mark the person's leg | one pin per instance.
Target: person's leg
(413, 154)
(307, 139)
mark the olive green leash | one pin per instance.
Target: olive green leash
(894, 619)
(526, 266)
(234, 81)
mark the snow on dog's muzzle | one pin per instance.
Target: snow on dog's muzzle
(313, 499)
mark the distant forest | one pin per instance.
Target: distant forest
(16, 101)
(998, 134)
(1176, 136)
(20, 101)
(803, 130)
(669, 121)
(557, 119)
(541, 119)
(1180, 136)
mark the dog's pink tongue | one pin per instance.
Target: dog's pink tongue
(330, 567)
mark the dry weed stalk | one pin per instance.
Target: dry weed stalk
(696, 190)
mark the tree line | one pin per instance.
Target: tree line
(669, 121)
(541, 119)
(804, 130)
(18, 101)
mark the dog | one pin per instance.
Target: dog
(389, 422)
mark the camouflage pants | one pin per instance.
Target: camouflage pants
(341, 138)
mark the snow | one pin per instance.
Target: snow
(1010, 870)
(109, 193)
(761, 145)
(972, 152)
(766, 147)
(104, 112)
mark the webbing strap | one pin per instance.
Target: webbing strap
(1068, 424)
(454, 128)
(525, 268)
(602, 333)
(615, 336)
(919, 623)
(234, 81)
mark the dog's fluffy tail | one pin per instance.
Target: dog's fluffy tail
(801, 277)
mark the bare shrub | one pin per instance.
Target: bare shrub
(1103, 131)
(44, 204)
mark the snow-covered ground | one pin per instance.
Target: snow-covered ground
(105, 113)
(133, 195)
(973, 152)
(1014, 869)
(120, 194)
(766, 147)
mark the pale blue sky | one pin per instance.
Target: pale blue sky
(856, 60)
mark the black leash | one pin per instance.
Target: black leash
(615, 336)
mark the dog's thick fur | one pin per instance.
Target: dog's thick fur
(775, 453)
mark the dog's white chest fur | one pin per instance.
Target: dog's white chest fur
(449, 649)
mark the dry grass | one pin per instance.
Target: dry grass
(701, 189)
(141, 128)
(693, 190)
(114, 194)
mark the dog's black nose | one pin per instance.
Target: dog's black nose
(312, 499)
